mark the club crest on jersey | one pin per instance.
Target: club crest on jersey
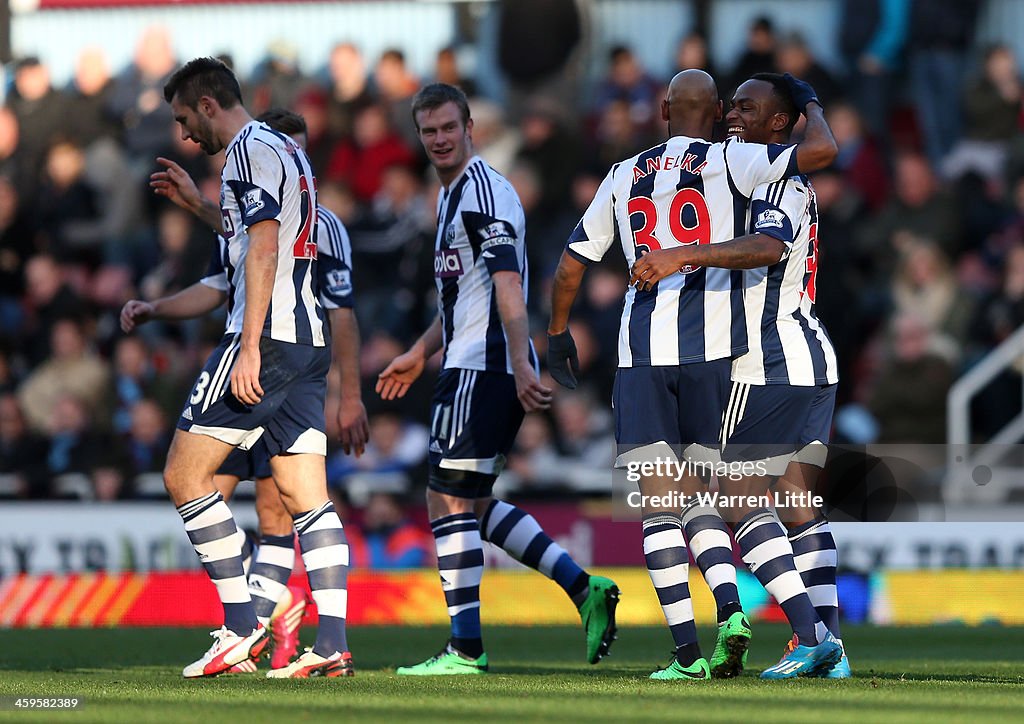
(447, 263)
(770, 218)
(339, 282)
(449, 234)
(253, 201)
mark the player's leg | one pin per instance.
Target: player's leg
(226, 482)
(701, 409)
(459, 475)
(277, 604)
(814, 548)
(760, 431)
(644, 401)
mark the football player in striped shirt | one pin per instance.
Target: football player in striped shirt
(267, 378)
(277, 604)
(678, 336)
(783, 389)
(488, 382)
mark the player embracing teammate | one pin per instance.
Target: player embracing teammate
(673, 208)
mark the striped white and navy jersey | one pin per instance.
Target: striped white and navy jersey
(788, 344)
(481, 230)
(334, 265)
(684, 191)
(267, 176)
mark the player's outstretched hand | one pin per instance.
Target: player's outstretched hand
(404, 369)
(175, 184)
(802, 92)
(133, 313)
(654, 266)
(532, 394)
(245, 377)
(563, 362)
(355, 429)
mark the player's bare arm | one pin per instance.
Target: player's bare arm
(260, 269)
(744, 252)
(562, 360)
(193, 301)
(355, 429)
(508, 290)
(175, 184)
(406, 368)
(818, 149)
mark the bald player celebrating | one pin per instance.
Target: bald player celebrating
(678, 336)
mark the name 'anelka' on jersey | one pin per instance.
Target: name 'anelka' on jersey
(683, 191)
(267, 176)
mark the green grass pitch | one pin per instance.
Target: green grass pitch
(900, 675)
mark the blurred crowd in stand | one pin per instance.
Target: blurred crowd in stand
(921, 268)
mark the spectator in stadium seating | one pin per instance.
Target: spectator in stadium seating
(361, 161)
(137, 98)
(67, 207)
(692, 52)
(313, 105)
(924, 285)
(13, 160)
(553, 149)
(89, 98)
(147, 437)
(17, 244)
(757, 57)
(618, 135)
(185, 252)
(533, 460)
(908, 398)
(22, 452)
(388, 539)
(940, 33)
(278, 80)
(48, 299)
(75, 446)
(72, 371)
(446, 70)
(42, 114)
(550, 69)
(135, 380)
(583, 428)
(793, 56)
(396, 85)
(992, 113)
(871, 35)
(919, 206)
(627, 81)
(396, 446)
(493, 139)
(348, 90)
(860, 158)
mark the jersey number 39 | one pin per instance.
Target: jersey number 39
(694, 230)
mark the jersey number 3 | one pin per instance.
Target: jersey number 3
(696, 229)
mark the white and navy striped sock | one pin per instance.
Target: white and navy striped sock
(269, 576)
(766, 551)
(708, 537)
(519, 534)
(247, 551)
(814, 553)
(668, 564)
(218, 543)
(460, 561)
(326, 557)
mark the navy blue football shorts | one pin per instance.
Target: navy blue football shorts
(289, 418)
(474, 419)
(251, 464)
(667, 410)
(773, 424)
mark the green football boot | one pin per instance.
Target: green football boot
(447, 662)
(598, 615)
(697, 671)
(730, 655)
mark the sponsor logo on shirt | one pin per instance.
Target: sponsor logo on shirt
(447, 263)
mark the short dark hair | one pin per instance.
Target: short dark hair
(436, 95)
(204, 77)
(283, 121)
(783, 96)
